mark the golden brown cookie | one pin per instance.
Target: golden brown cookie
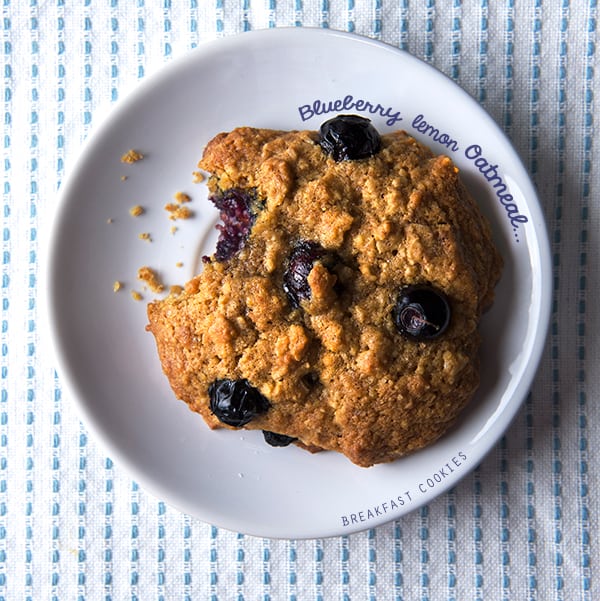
(340, 310)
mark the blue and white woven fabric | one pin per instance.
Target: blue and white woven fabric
(523, 525)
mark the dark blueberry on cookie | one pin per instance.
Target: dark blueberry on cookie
(300, 263)
(237, 218)
(278, 440)
(349, 137)
(421, 312)
(236, 402)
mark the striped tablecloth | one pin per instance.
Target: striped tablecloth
(523, 525)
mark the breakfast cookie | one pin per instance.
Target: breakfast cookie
(340, 309)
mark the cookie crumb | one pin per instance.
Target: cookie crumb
(110, 220)
(136, 211)
(136, 296)
(123, 178)
(176, 211)
(131, 156)
(175, 290)
(179, 264)
(198, 177)
(145, 236)
(117, 286)
(151, 279)
(181, 197)
(174, 228)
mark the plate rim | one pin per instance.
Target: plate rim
(102, 123)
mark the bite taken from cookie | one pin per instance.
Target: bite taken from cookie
(340, 309)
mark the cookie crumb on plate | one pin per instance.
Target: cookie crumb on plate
(151, 279)
(176, 211)
(182, 197)
(131, 156)
(136, 211)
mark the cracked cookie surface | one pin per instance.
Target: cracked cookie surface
(329, 358)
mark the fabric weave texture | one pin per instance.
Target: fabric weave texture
(523, 525)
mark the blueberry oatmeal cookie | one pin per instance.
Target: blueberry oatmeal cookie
(340, 309)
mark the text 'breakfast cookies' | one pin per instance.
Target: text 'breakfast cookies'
(340, 309)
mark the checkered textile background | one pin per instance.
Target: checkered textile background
(524, 525)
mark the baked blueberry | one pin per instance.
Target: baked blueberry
(236, 210)
(300, 263)
(421, 312)
(349, 137)
(236, 402)
(278, 440)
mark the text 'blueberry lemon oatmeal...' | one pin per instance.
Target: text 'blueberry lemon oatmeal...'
(340, 309)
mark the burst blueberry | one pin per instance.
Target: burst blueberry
(300, 263)
(421, 312)
(349, 137)
(236, 402)
(237, 212)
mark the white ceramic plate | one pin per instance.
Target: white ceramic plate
(291, 79)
